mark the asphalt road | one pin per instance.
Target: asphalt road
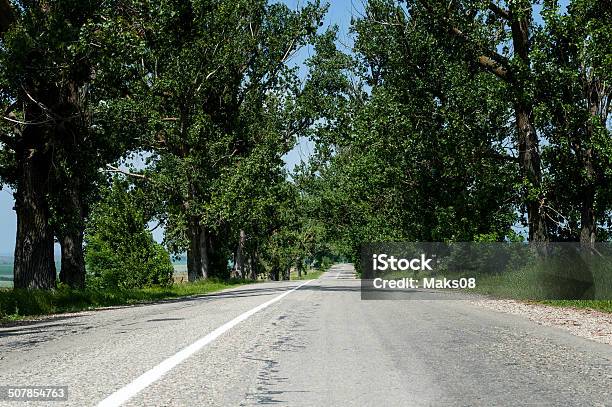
(318, 345)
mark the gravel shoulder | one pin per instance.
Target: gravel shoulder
(585, 323)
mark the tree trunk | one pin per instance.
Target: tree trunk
(239, 259)
(529, 161)
(198, 253)
(588, 229)
(253, 265)
(204, 257)
(588, 221)
(249, 267)
(194, 252)
(34, 261)
(72, 270)
(274, 274)
(529, 149)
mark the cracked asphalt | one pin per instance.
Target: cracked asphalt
(320, 345)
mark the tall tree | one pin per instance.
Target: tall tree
(574, 65)
(496, 37)
(212, 68)
(54, 142)
(418, 151)
(28, 145)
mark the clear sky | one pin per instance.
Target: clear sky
(340, 13)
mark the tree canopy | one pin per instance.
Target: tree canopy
(462, 121)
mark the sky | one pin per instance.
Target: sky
(340, 13)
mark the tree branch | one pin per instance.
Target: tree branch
(114, 169)
(493, 67)
(500, 12)
(15, 121)
(490, 60)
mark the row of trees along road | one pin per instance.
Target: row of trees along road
(203, 87)
(444, 122)
(462, 120)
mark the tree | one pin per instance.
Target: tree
(53, 141)
(120, 251)
(475, 31)
(26, 157)
(211, 71)
(573, 62)
(413, 143)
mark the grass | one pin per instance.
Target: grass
(312, 274)
(20, 304)
(531, 284)
(517, 287)
(527, 285)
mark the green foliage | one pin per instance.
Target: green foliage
(573, 61)
(120, 251)
(215, 95)
(308, 274)
(415, 129)
(416, 149)
(416, 137)
(54, 77)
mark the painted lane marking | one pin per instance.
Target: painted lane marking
(151, 376)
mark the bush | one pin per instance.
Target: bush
(120, 251)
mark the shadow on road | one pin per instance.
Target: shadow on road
(13, 328)
(66, 322)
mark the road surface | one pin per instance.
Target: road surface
(318, 345)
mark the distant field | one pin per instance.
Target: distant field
(6, 273)
(6, 269)
(180, 268)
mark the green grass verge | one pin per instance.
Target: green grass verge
(312, 274)
(20, 304)
(524, 285)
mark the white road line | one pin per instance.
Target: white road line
(149, 377)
